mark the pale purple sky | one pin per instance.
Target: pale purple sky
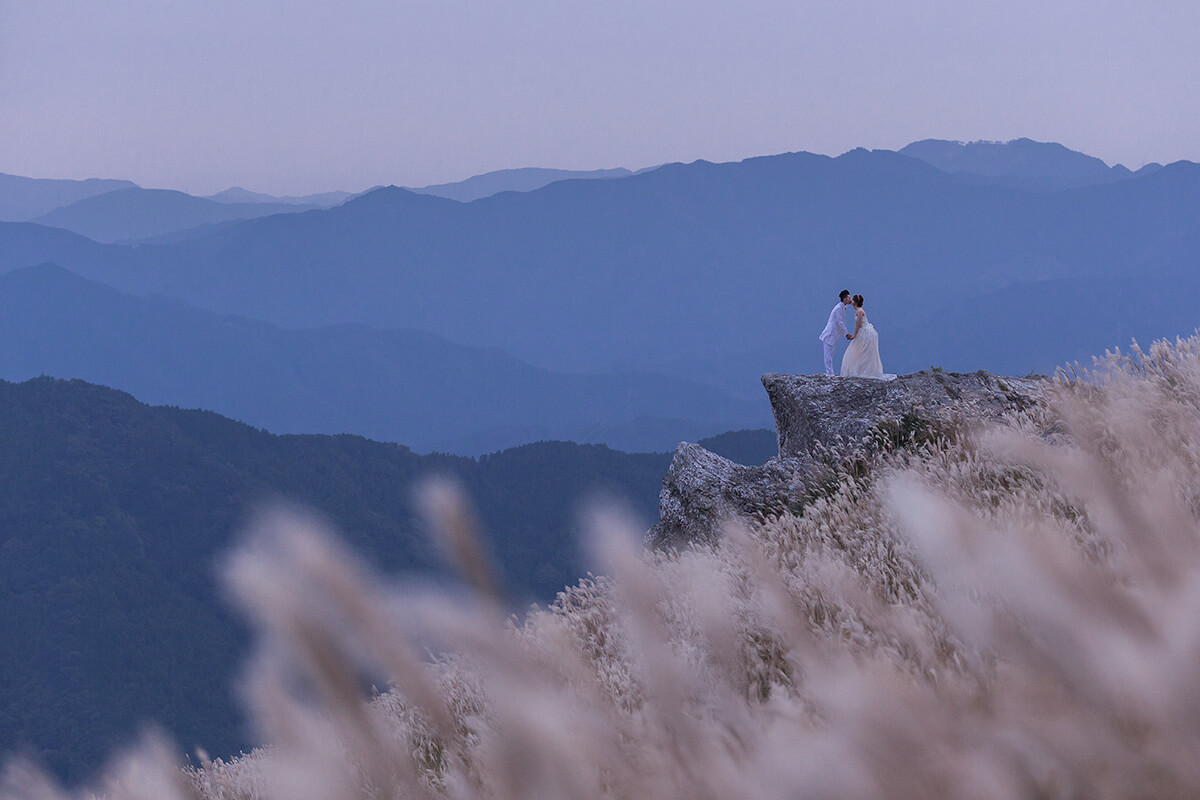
(301, 96)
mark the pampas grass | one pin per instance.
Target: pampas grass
(999, 612)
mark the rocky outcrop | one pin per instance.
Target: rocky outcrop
(812, 410)
(814, 414)
(702, 491)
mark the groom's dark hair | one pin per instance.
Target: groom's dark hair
(845, 293)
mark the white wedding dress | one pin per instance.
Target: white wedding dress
(861, 359)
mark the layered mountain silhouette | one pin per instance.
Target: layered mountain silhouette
(714, 273)
(403, 386)
(24, 244)
(121, 211)
(236, 194)
(22, 199)
(1067, 316)
(525, 179)
(132, 214)
(1021, 163)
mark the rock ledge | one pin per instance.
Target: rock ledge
(703, 491)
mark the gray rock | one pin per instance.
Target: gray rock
(703, 491)
(812, 410)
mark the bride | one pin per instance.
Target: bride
(862, 356)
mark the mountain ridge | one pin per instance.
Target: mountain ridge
(135, 213)
(521, 179)
(686, 264)
(1020, 163)
(22, 199)
(343, 378)
(238, 194)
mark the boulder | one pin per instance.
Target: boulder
(815, 410)
(813, 414)
(702, 491)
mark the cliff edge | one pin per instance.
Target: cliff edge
(814, 415)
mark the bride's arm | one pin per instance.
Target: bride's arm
(858, 318)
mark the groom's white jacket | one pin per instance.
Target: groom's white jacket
(836, 327)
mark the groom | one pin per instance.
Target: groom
(834, 328)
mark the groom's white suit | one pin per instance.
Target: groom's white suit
(834, 330)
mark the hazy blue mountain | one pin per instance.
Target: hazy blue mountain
(397, 385)
(1019, 157)
(734, 266)
(1061, 321)
(237, 194)
(185, 234)
(1069, 317)
(525, 179)
(132, 214)
(1020, 163)
(24, 243)
(752, 447)
(637, 435)
(113, 513)
(22, 199)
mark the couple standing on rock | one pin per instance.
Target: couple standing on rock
(861, 359)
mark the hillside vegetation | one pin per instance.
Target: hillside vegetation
(113, 515)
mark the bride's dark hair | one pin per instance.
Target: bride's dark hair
(858, 300)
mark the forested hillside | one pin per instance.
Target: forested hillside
(111, 515)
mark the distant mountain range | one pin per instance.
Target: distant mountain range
(237, 194)
(693, 264)
(513, 180)
(402, 386)
(524, 179)
(705, 273)
(133, 214)
(23, 199)
(1021, 163)
(122, 211)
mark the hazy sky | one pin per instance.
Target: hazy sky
(303, 96)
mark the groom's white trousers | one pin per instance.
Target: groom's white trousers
(829, 358)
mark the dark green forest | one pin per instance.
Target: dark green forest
(113, 514)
